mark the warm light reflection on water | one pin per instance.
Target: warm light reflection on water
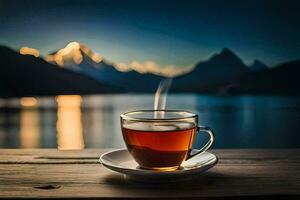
(75, 122)
(29, 123)
(69, 124)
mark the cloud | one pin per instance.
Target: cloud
(29, 51)
(122, 67)
(154, 68)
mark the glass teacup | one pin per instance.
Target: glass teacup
(162, 139)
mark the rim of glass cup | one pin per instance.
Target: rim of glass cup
(143, 119)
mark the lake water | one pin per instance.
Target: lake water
(76, 122)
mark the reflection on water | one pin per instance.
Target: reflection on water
(29, 123)
(69, 125)
(75, 122)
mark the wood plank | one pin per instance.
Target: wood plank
(48, 173)
(46, 156)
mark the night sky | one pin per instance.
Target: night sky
(180, 33)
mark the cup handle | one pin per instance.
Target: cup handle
(211, 134)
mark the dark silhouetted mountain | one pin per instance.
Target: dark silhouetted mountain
(282, 79)
(212, 75)
(104, 72)
(28, 76)
(223, 73)
(258, 65)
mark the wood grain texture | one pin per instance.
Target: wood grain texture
(242, 174)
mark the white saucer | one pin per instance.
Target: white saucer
(121, 161)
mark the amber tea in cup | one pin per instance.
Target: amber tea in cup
(161, 139)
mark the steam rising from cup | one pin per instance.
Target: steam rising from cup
(160, 98)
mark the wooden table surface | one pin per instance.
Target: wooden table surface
(242, 174)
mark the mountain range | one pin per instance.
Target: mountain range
(213, 74)
(105, 72)
(77, 69)
(29, 76)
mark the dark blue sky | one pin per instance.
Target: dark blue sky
(180, 33)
